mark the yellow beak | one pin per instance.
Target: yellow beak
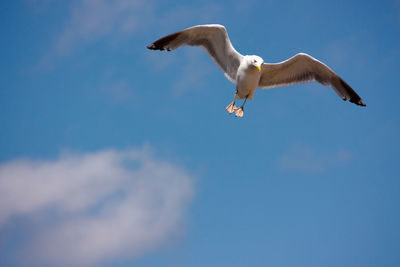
(259, 68)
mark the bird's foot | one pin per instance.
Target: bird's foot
(239, 112)
(231, 108)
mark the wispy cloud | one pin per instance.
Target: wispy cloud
(303, 158)
(94, 207)
(92, 20)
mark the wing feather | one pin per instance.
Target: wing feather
(212, 38)
(303, 68)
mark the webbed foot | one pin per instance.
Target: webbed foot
(239, 112)
(231, 108)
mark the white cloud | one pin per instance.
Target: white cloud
(304, 158)
(91, 20)
(91, 208)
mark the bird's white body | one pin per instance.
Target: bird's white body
(247, 78)
(250, 72)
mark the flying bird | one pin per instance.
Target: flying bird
(250, 72)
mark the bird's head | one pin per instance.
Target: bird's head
(256, 61)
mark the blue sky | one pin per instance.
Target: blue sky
(115, 155)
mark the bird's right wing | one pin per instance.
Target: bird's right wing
(212, 38)
(303, 68)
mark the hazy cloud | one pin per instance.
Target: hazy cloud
(88, 208)
(91, 20)
(304, 158)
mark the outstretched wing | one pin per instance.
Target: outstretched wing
(212, 38)
(303, 68)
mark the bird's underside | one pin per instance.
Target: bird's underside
(250, 72)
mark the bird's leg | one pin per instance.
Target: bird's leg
(231, 107)
(239, 111)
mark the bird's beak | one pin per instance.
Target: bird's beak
(259, 68)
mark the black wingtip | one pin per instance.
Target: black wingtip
(154, 46)
(151, 47)
(163, 43)
(354, 97)
(359, 102)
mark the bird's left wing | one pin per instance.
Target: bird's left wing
(212, 38)
(303, 68)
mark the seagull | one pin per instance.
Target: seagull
(250, 72)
